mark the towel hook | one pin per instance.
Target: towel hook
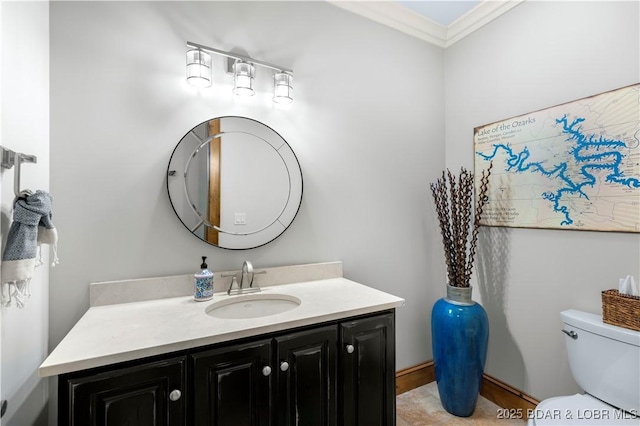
(11, 158)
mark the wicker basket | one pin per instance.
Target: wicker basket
(621, 309)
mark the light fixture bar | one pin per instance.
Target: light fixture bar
(239, 57)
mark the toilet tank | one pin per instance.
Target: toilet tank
(604, 359)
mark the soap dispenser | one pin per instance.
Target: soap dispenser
(203, 283)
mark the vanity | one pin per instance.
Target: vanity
(146, 353)
(304, 346)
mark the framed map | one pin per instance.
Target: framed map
(572, 166)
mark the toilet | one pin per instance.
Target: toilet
(605, 362)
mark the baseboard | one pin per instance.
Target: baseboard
(414, 377)
(506, 396)
(494, 390)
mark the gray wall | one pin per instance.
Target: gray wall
(540, 54)
(24, 46)
(367, 126)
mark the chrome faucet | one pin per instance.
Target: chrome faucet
(247, 269)
(246, 285)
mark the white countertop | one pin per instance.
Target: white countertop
(128, 331)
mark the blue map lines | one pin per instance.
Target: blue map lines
(588, 156)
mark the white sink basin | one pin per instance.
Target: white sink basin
(252, 306)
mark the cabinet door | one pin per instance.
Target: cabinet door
(367, 370)
(232, 385)
(306, 381)
(151, 394)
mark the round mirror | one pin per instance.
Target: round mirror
(234, 182)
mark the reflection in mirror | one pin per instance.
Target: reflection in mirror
(234, 182)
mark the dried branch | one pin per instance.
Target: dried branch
(453, 201)
(480, 202)
(439, 191)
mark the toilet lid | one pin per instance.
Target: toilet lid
(583, 410)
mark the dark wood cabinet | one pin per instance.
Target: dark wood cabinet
(367, 371)
(287, 380)
(232, 385)
(336, 373)
(306, 378)
(152, 394)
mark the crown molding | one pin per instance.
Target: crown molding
(394, 15)
(476, 18)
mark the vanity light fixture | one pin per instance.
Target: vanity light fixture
(243, 70)
(198, 68)
(243, 73)
(282, 88)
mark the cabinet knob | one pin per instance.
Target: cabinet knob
(284, 366)
(266, 370)
(350, 349)
(175, 395)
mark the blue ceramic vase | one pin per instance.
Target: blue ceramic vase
(460, 334)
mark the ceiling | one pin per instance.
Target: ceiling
(440, 22)
(441, 12)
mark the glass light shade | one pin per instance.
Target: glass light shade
(243, 73)
(198, 68)
(282, 88)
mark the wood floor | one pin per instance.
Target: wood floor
(421, 407)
